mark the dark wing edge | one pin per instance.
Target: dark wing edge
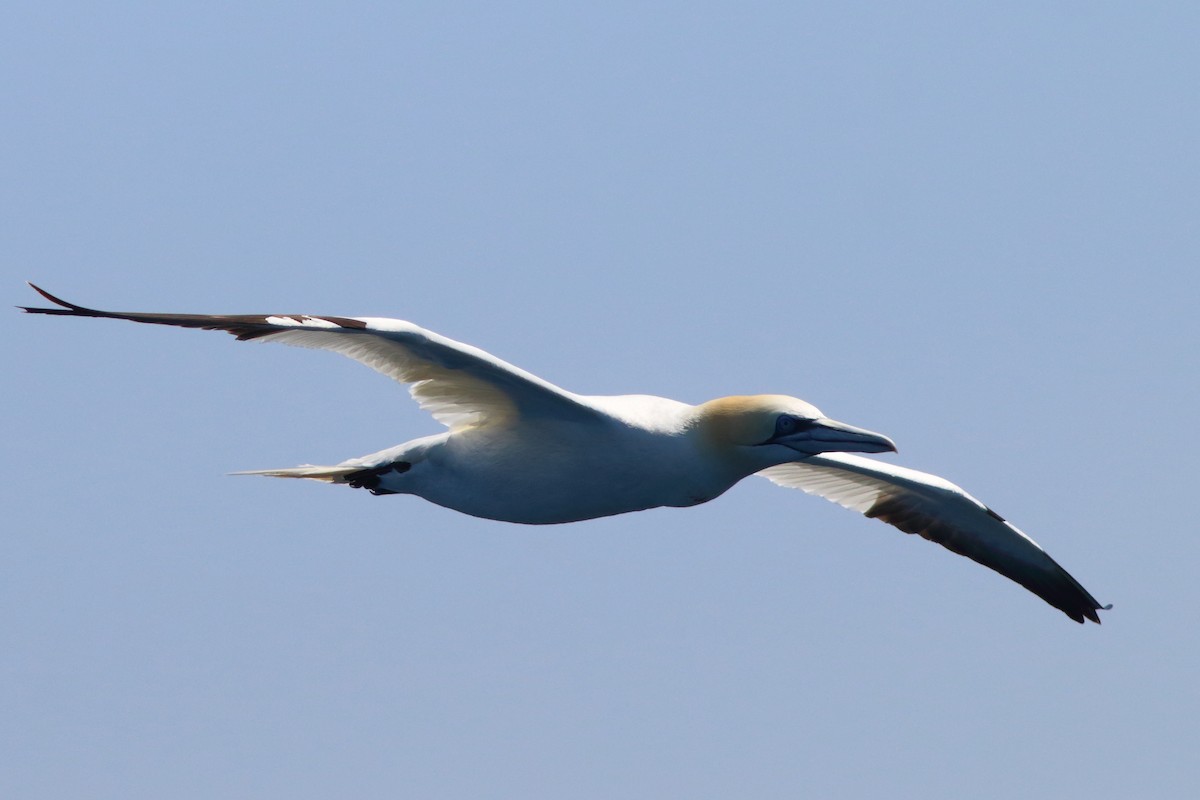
(937, 510)
(1048, 580)
(244, 327)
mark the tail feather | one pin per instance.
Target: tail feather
(309, 471)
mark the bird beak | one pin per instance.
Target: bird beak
(827, 435)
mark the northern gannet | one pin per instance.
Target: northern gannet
(520, 449)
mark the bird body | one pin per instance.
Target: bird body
(621, 454)
(520, 449)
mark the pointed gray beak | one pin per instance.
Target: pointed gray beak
(831, 436)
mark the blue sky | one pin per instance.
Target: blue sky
(971, 228)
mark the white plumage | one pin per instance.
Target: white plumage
(520, 449)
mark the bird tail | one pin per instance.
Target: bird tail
(340, 474)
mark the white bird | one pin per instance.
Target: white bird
(520, 449)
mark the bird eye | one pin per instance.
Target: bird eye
(788, 424)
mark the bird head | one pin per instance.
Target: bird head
(778, 421)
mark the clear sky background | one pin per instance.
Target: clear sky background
(972, 227)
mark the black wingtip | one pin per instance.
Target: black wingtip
(1092, 613)
(44, 294)
(58, 301)
(64, 306)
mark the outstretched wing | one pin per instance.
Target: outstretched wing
(916, 502)
(462, 386)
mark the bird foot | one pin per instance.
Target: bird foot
(369, 479)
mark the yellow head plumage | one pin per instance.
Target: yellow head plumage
(775, 428)
(749, 419)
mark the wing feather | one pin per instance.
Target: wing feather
(937, 510)
(460, 385)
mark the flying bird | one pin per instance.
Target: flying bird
(520, 449)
